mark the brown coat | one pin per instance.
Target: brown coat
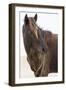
(41, 47)
(43, 64)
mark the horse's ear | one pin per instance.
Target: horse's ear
(35, 17)
(26, 19)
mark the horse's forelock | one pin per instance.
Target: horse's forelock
(33, 27)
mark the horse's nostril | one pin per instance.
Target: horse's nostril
(43, 49)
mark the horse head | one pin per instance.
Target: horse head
(33, 35)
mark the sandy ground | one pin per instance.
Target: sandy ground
(25, 70)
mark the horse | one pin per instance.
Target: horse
(41, 47)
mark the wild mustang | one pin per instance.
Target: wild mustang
(41, 47)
